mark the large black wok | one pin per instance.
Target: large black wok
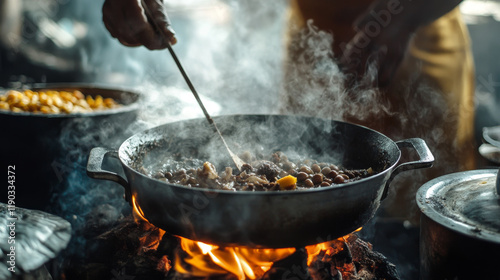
(259, 219)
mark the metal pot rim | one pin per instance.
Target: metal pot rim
(436, 207)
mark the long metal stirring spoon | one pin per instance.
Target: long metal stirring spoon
(237, 161)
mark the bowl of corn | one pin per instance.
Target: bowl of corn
(47, 129)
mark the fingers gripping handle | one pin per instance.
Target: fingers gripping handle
(94, 168)
(426, 159)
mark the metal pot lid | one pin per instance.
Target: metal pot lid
(466, 202)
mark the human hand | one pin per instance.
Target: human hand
(128, 21)
(379, 45)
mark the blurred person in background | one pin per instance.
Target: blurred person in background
(413, 56)
(418, 56)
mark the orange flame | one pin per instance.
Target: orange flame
(138, 214)
(246, 263)
(314, 250)
(152, 237)
(199, 259)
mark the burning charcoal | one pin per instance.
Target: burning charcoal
(343, 254)
(333, 263)
(128, 249)
(350, 258)
(139, 250)
(177, 276)
(371, 261)
(168, 244)
(291, 267)
(321, 271)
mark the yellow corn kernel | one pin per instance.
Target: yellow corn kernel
(45, 109)
(98, 101)
(55, 109)
(45, 99)
(23, 103)
(109, 102)
(90, 101)
(67, 107)
(80, 109)
(13, 96)
(78, 94)
(4, 105)
(33, 107)
(66, 96)
(58, 102)
(287, 182)
(83, 103)
(34, 99)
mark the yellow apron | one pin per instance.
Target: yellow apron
(430, 97)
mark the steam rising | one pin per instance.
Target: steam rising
(233, 52)
(315, 86)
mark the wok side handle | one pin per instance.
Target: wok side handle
(95, 171)
(426, 159)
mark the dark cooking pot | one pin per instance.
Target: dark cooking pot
(460, 226)
(32, 142)
(259, 219)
